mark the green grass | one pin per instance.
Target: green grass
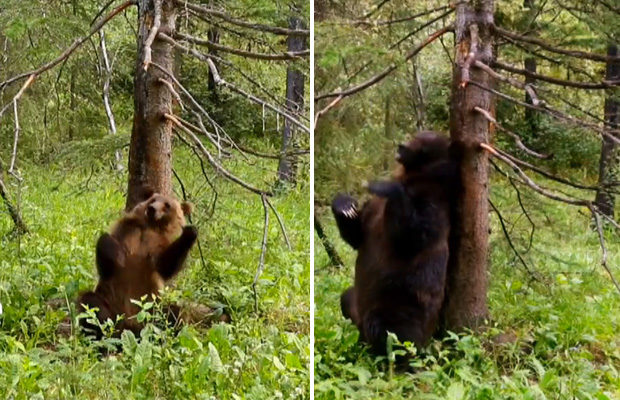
(257, 356)
(557, 337)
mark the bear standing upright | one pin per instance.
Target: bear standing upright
(146, 248)
(402, 236)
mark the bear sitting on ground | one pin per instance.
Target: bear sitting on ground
(145, 249)
(401, 235)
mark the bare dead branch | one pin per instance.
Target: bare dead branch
(514, 82)
(529, 182)
(106, 72)
(375, 9)
(333, 255)
(549, 175)
(152, 33)
(514, 136)
(19, 94)
(542, 44)
(609, 6)
(601, 238)
(261, 260)
(554, 113)
(280, 222)
(511, 244)
(471, 55)
(20, 226)
(527, 215)
(204, 172)
(76, 44)
(379, 77)
(414, 16)
(420, 28)
(210, 158)
(220, 81)
(176, 95)
(191, 98)
(189, 217)
(15, 138)
(276, 30)
(247, 54)
(555, 81)
(253, 152)
(202, 130)
(562, 63)
(326, 109)
(572, 201)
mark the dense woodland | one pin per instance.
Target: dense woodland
(82, 89)
(533, 305)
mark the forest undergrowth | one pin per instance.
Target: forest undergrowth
(553, 331)
(257, 356)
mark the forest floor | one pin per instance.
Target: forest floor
(257, 356)
(552, 334)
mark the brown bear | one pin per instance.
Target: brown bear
(146, 248)
(402, 238)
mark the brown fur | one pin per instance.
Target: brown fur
(145, 249)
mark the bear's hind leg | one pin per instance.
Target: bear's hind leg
(92, 300)
(348, 305)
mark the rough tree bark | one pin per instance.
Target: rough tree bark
(106, 74)
(466, 301)
(531, 116)
(287, 168)
(214, 36)
(150, 151)
(20, 226)
(330, 249)
(417, 95)
(609, 163)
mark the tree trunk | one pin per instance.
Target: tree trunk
(106, 73)
(466, 303)
(20, 226)
(388, 152)
(531, 116)
(287, 168)
(214, 36)
(150, 151)
(419, 103)
(610, 152)
(330, 249)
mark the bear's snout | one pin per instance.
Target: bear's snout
(154, 212)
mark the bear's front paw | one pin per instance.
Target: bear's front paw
(190, 231)
(344, 205)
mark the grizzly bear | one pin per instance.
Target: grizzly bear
(146, 248)
(401, 235)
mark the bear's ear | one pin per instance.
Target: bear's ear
(187, 208)
(405, 155)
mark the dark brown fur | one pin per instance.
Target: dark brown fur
(401, 235)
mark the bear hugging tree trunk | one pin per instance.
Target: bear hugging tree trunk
(145, 249)
(402, 238)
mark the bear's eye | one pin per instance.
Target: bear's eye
(167, 205)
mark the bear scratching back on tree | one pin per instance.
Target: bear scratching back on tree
(145, 248)
(401, 235)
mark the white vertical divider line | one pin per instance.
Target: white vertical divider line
(311, 222)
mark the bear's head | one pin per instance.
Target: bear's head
(162, 212)
(426, 148)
